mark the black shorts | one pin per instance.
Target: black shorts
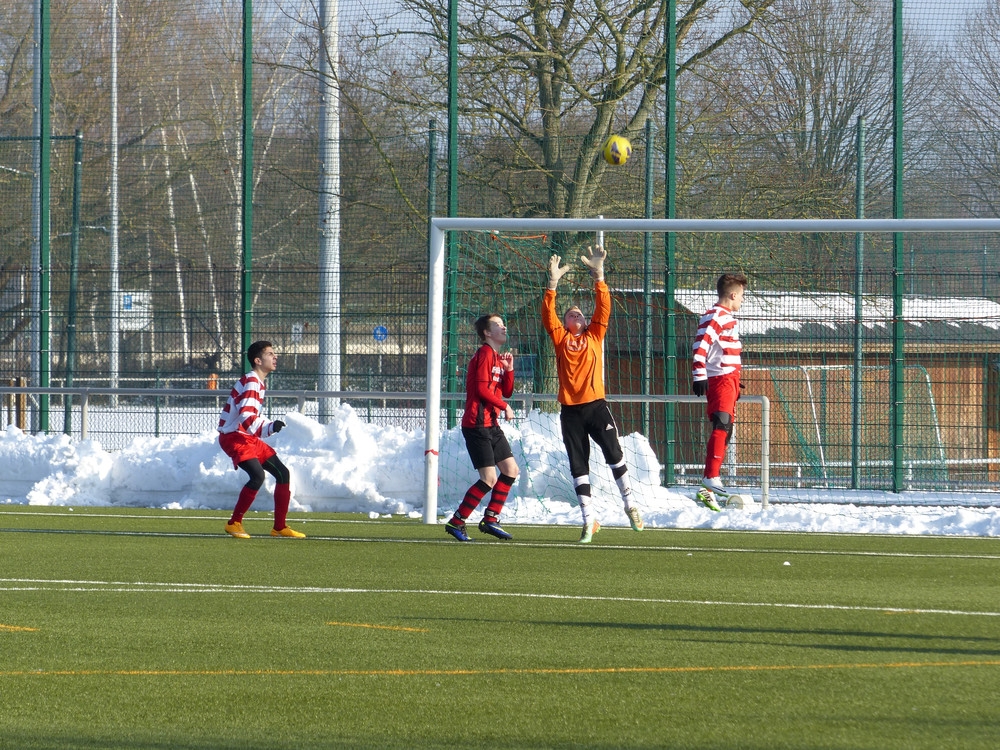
(582, 422)
(487, 446)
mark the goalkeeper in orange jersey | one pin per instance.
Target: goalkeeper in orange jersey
(584, 413)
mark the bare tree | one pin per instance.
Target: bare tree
(971, 114)
(784, 104)
(550, 80)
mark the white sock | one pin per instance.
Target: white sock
(583, 483)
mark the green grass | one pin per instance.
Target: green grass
(659, 639)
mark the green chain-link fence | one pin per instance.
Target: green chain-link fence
(763, 129)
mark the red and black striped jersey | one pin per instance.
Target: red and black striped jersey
(487, 384)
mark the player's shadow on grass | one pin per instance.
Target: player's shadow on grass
(894, 639)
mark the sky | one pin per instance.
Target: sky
(350, 465)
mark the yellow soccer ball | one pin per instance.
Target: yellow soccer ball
(617, 150)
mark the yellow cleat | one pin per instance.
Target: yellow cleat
(236, 530)
(289, 532)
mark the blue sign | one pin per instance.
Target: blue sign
(126, 302)
(380, 333)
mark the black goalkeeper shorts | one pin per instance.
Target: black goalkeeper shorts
(582, 422)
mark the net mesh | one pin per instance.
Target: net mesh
(766, 127)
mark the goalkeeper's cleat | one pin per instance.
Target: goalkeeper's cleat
(493, 529)
(289, 532)
(589, 529)
(635, 519)
(236, 530)
(706, 497)
(457, 530)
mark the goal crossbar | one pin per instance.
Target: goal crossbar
(439, 227)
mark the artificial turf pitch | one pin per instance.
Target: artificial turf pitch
(151, 629)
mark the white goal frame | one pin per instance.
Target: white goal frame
(440, 226)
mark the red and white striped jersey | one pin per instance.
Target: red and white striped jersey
(244, 407)
(717, 344)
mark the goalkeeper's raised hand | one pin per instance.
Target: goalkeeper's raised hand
(555, 272)
(594, 260)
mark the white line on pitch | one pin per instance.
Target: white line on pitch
(563, 545)
(198, 588)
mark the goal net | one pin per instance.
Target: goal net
(805, 347)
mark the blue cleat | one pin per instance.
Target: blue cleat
(493, 529)
(457, 530)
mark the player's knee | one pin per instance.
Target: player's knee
(277, 470)
(255, 482)
(618, 468)
(722, 420)
(509, 468)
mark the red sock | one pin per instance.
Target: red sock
(243, 504)
(715, 453)
(282, 497)
(471, 500)
(500, 491)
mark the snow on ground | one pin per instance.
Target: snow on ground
(350, 465)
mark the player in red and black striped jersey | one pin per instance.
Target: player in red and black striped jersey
(488, 381)
(241, 427)
(715, 372)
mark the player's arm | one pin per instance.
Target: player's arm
(507, 379)
(703, 343)
(481, 381)
(550, 321)
(594, 260)
(248, 406)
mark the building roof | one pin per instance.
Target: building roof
(824, 321)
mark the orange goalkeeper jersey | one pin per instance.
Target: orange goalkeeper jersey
(579, 359)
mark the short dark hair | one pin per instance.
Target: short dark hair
(255, 350)
(483, 322)
(728, 282)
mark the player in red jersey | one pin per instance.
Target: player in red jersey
(715, 370)
(488, 381)
(241, 427)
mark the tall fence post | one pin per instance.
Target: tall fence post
(74, 265)
(859, 272)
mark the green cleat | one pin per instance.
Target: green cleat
(706, 497)
(588, 532)
(635, 519)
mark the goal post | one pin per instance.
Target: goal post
(439, 227)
